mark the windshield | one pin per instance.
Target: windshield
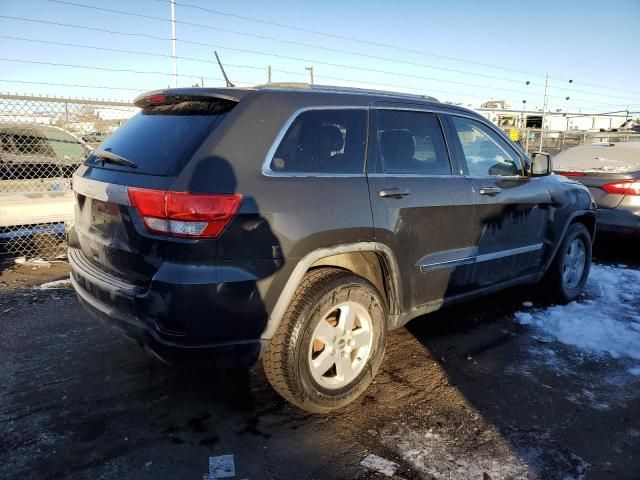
(67, 147)
(160, 139)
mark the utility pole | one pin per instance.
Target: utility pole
(310, 70)
(544, 108)
(269, 74)
(173, 43)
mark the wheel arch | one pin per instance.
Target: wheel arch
(370, 260)
(589, 221)
(585, 217)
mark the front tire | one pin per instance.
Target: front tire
(569, 271)
(330, 343)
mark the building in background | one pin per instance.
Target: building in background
(561, 121)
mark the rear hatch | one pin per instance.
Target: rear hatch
(123, 190)
(602, 168)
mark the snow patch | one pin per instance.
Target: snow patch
(513, 454)
(379, 464)
(605, 322)
(65, 283)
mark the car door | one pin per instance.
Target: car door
(422, 210)
(513, 207)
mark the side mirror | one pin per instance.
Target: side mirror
(541, 164)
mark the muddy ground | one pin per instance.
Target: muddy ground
(464, 393)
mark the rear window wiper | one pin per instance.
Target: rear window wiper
(108, 157)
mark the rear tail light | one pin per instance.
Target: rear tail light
(623, 188)
(572, 174)
(182, 214)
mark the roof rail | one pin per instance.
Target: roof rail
(341, 89)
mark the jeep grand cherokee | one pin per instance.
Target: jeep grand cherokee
(299, 224)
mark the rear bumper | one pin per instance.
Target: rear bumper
(178, 322)
(623, 219)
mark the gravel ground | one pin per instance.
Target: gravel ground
(465, 393)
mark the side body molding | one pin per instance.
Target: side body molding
(392, 278)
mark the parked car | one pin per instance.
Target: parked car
(611, 171)
(298, 224)
(31, 151)
(36, 164)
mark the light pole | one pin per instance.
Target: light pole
(173, 43)
(544, 108)
(310, 70)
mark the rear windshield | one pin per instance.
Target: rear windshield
(161, 138)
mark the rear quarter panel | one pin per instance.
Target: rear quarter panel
(282, 218)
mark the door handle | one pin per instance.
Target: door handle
(394, 193)
(490, 191)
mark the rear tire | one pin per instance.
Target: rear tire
(330, 343)
(569, 270)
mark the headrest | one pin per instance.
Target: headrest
(330, 138)
(397, 147)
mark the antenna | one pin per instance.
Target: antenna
(224, 74)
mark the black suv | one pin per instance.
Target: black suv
(298, 224)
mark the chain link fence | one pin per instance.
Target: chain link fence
(555, 141)
(42, 141)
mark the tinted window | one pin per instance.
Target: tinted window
(484, 151)
(411, 143)
(162, 138)
(323, 141)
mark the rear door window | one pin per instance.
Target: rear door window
(411, 143)
(323, 141)
(162, 138)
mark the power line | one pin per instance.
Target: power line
(248, 51)
(290, 42)
(135, 52)
(333, 78)
(348, 52)
(386, 45)
(387, 72)
(595, 85)
(117, 50)
(352, 39)
(74, 85)
(217, 78)
(105, 69)
(571, 89)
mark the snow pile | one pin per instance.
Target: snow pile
(605, 321)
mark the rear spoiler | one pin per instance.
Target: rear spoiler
(176, 95)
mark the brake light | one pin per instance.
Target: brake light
(623, 188)
(572, 174)
(183, 214)
(156, 99)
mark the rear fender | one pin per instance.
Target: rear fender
(389, 264)
(573, 218)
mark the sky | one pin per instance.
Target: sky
(460, 51)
